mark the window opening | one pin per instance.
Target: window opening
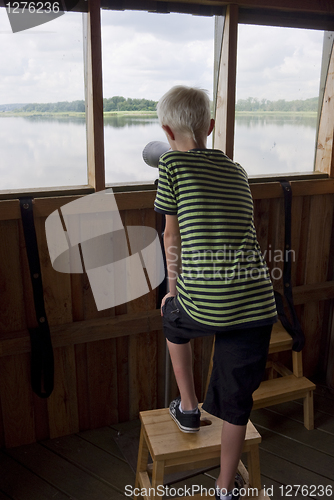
(144, 55)
(42, 108)
(278, 78)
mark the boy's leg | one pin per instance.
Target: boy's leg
(232, 437)
(239, 364)
(232, 441)
(181, 357)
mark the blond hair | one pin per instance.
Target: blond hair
(187, 110)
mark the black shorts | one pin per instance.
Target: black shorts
(238, 364)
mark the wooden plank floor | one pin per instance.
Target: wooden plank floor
(90, 465)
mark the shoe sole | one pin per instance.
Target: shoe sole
(188, 430)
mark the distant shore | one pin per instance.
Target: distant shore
(74, 114)
(106, 114)
(276, 113)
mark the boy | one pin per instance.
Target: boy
(218, 281)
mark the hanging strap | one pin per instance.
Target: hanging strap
(42, 363)
(293, 328)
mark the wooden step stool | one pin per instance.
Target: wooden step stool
(289, 385)
(174, 451)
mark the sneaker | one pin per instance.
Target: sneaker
(238, 481)
(235, 493)
(186, 422)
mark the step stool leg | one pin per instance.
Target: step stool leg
(157, 477)
(253, 465)
(158, 473)
(142, 458)
(309, 411)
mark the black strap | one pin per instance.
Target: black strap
(42, 363)
(163, 285)
(293, 328)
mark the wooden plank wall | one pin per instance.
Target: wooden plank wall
(104, 380)
(109, 365)
(312, 228)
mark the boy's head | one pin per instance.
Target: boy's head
(186, 110)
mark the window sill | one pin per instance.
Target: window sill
(10, 194)
(303, 184)
(298, 176)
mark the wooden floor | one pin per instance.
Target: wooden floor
(90, 465)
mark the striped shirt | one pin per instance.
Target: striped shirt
(224, 280)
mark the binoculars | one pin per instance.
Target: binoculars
(152, 152)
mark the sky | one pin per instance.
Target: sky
(145, 54)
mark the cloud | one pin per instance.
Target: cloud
(278, 63)
(183, 27)
(40, 65)
(145, 58)
(144, 54)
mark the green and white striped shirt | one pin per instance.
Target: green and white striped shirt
(224, 281)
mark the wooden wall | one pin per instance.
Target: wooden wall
(109, 365)
(312, 268)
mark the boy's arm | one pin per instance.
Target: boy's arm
(172, 244)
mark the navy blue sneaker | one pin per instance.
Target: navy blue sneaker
(186, 422)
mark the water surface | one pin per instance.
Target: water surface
(49, 152)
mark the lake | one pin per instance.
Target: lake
(48, 151)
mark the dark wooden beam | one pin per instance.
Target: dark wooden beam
(286, 19)
(291, 14)
(324, 7)
(163, 7)
(308, 14)
(195, 6)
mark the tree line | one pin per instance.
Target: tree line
(255, 105)
(116, 103)
(119, 103)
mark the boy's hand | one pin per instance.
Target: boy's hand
(164, 300)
